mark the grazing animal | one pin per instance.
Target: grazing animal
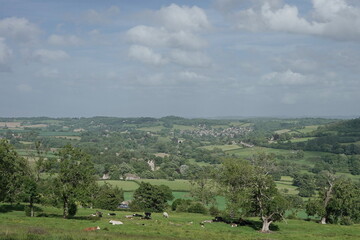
(218, 219)
(207, 221)
(202, 225)
(129, 216)
(111, 214)
(92, 229)
(137, 215)
(165, 215)
(113, 222)
(233, 225)
(99, 214)
(93, 215)
(147, 215)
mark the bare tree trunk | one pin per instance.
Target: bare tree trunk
(66, 208)
(266, 225)
(31, 208)
(327, 199)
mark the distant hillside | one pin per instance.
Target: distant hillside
(339, 137)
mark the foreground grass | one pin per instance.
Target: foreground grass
(14, 225)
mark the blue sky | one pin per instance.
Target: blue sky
(185, 58)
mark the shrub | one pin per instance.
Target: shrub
(346, 221)
(27, 210)
(214, 211)
(72, 209)
(197, 208)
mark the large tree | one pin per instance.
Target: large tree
(74, 179)
(202, 186)
(151, 197)
(13, 170)
(338, 201)
(250, 190)
(108, 197)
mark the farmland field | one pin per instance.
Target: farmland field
(222, 147)
(308, 129)
(125, 185)
(295, 140)
(177, 185)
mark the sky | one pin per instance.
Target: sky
(205, 58)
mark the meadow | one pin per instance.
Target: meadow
(51, 225)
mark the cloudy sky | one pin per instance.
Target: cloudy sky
(187, 58)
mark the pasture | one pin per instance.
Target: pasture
(222, 147)
(127, 186)
(181, 188)
(295, 140)
(176, 185)
(308, 129)
(14, 225)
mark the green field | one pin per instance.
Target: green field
(177, 185)
(56, 134)
(282, 131)
(295, 140)
(222, 147)
(286, 183)
(248, 152)
(14, 225)
(128, 186)
(308, 129)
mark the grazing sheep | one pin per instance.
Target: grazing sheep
(165, 215)
(113, 222)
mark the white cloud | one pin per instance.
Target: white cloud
(287, 19)
(193, 76)
(285, 78)
(331, 18)
(5, 55)
(19, 29)
(177, 37)
(161, 37)
(100, 17)
(175, 17)
(149, 36)
(64, 40)
(146, 55)
(45, 55)
(190, 59)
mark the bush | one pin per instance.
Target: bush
(27, 210)
(346, 221)
(214, 211)
(72, 209)
(197, 208)
(176, 203)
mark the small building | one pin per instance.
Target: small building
(106, 176)
(130, 176)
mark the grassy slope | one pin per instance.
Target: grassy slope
(14, 225)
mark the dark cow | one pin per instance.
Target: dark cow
(147, 215)
(138, 215)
